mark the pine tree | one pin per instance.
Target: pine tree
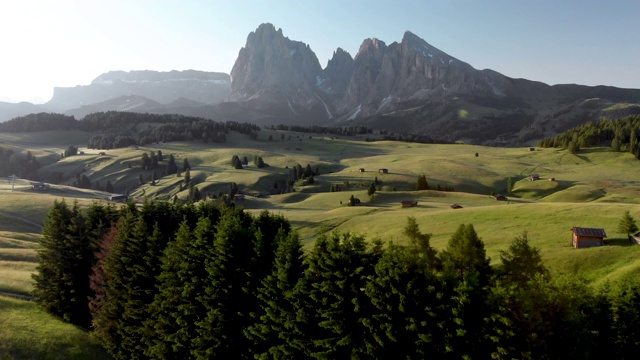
(422, 183)
(371, 190)
(132, 268)
(339, 266)
(421, 243)
(61, 281)
(522, 263)
(187, 177)
(408, 312)
(172, 168)
(467, 274)
(627, 224)
(176, 308)
(277, 330)
(221, 329)
(465, 255)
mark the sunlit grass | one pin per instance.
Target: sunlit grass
(28, 333)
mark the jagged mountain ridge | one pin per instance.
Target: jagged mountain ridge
(409, 86)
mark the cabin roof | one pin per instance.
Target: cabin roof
(591, 232)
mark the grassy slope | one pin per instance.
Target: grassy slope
(592, 189)
(28, 333)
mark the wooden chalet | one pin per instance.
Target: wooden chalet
(533, 177)
(532, 149)
(500, 197)
(456, 206)
(587, 237)
(409, 203)
(40, 186)
(383, 171)
(361, 169)
(118, 198)
(635, 238)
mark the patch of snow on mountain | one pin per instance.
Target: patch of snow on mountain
(319, 80)
(292, 51)
(384, 102)
(425, 52)
(353, 116)
(291, 107)
(326, 107)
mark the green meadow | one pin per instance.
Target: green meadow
(590, 189)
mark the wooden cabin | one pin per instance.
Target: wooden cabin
(456, 206)
(533, 177)
(500, 197)
(118, 198)
(532, 149)
(40, 186)
(587, 237)
(361, 169)
(409, 203)
(383, 171)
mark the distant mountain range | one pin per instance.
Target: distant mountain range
(409, 87)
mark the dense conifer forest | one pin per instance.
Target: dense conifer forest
(619, 134)
(169, 281)
(115, 129)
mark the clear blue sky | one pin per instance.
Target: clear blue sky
(48, 43)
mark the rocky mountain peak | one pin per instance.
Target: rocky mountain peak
(371, 48)
(338, 72)
(272, 70)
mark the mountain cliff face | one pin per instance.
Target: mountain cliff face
(409, 86)
(338, 73)
(277, 75)
(161, 87)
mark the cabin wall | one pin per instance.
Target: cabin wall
(580, 242)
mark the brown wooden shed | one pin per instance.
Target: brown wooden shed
(587, 237)
(409, 203)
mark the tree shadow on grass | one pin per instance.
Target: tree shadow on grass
(619, 242)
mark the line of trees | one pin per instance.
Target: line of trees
(118, 129)
(618, 134)
(185, 281)
(334, 130)
(422, 184)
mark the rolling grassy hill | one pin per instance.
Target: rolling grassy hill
(591, 189)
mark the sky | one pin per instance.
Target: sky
(64, 43)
